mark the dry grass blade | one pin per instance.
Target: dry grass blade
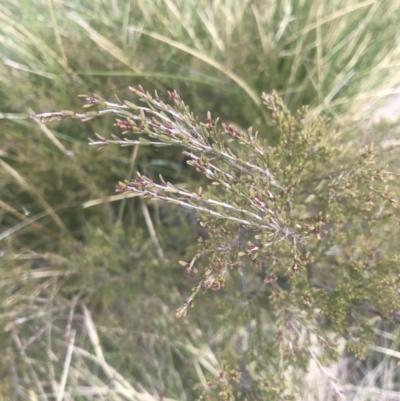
(113, 198)
(67, 363)
(213, 63)
(108, 370)
(25, 68)
(120, 384)
(386, 351)
(103, 42)
(204, 356)
(200, 373)
(51, 136)
(50, 5)
(94, 338)
(22, 182)
(23, 224)
(29, 221)
(150, 227)
(28, 362)
(336, 15)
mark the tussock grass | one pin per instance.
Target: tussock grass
(89, 279)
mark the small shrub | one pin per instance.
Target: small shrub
(317, 223)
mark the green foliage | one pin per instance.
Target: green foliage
(302, 211)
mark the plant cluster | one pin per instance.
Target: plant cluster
(64, 234)
(316, 223)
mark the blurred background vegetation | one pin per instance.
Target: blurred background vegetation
(90, 281)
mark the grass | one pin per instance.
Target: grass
(90, 280)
